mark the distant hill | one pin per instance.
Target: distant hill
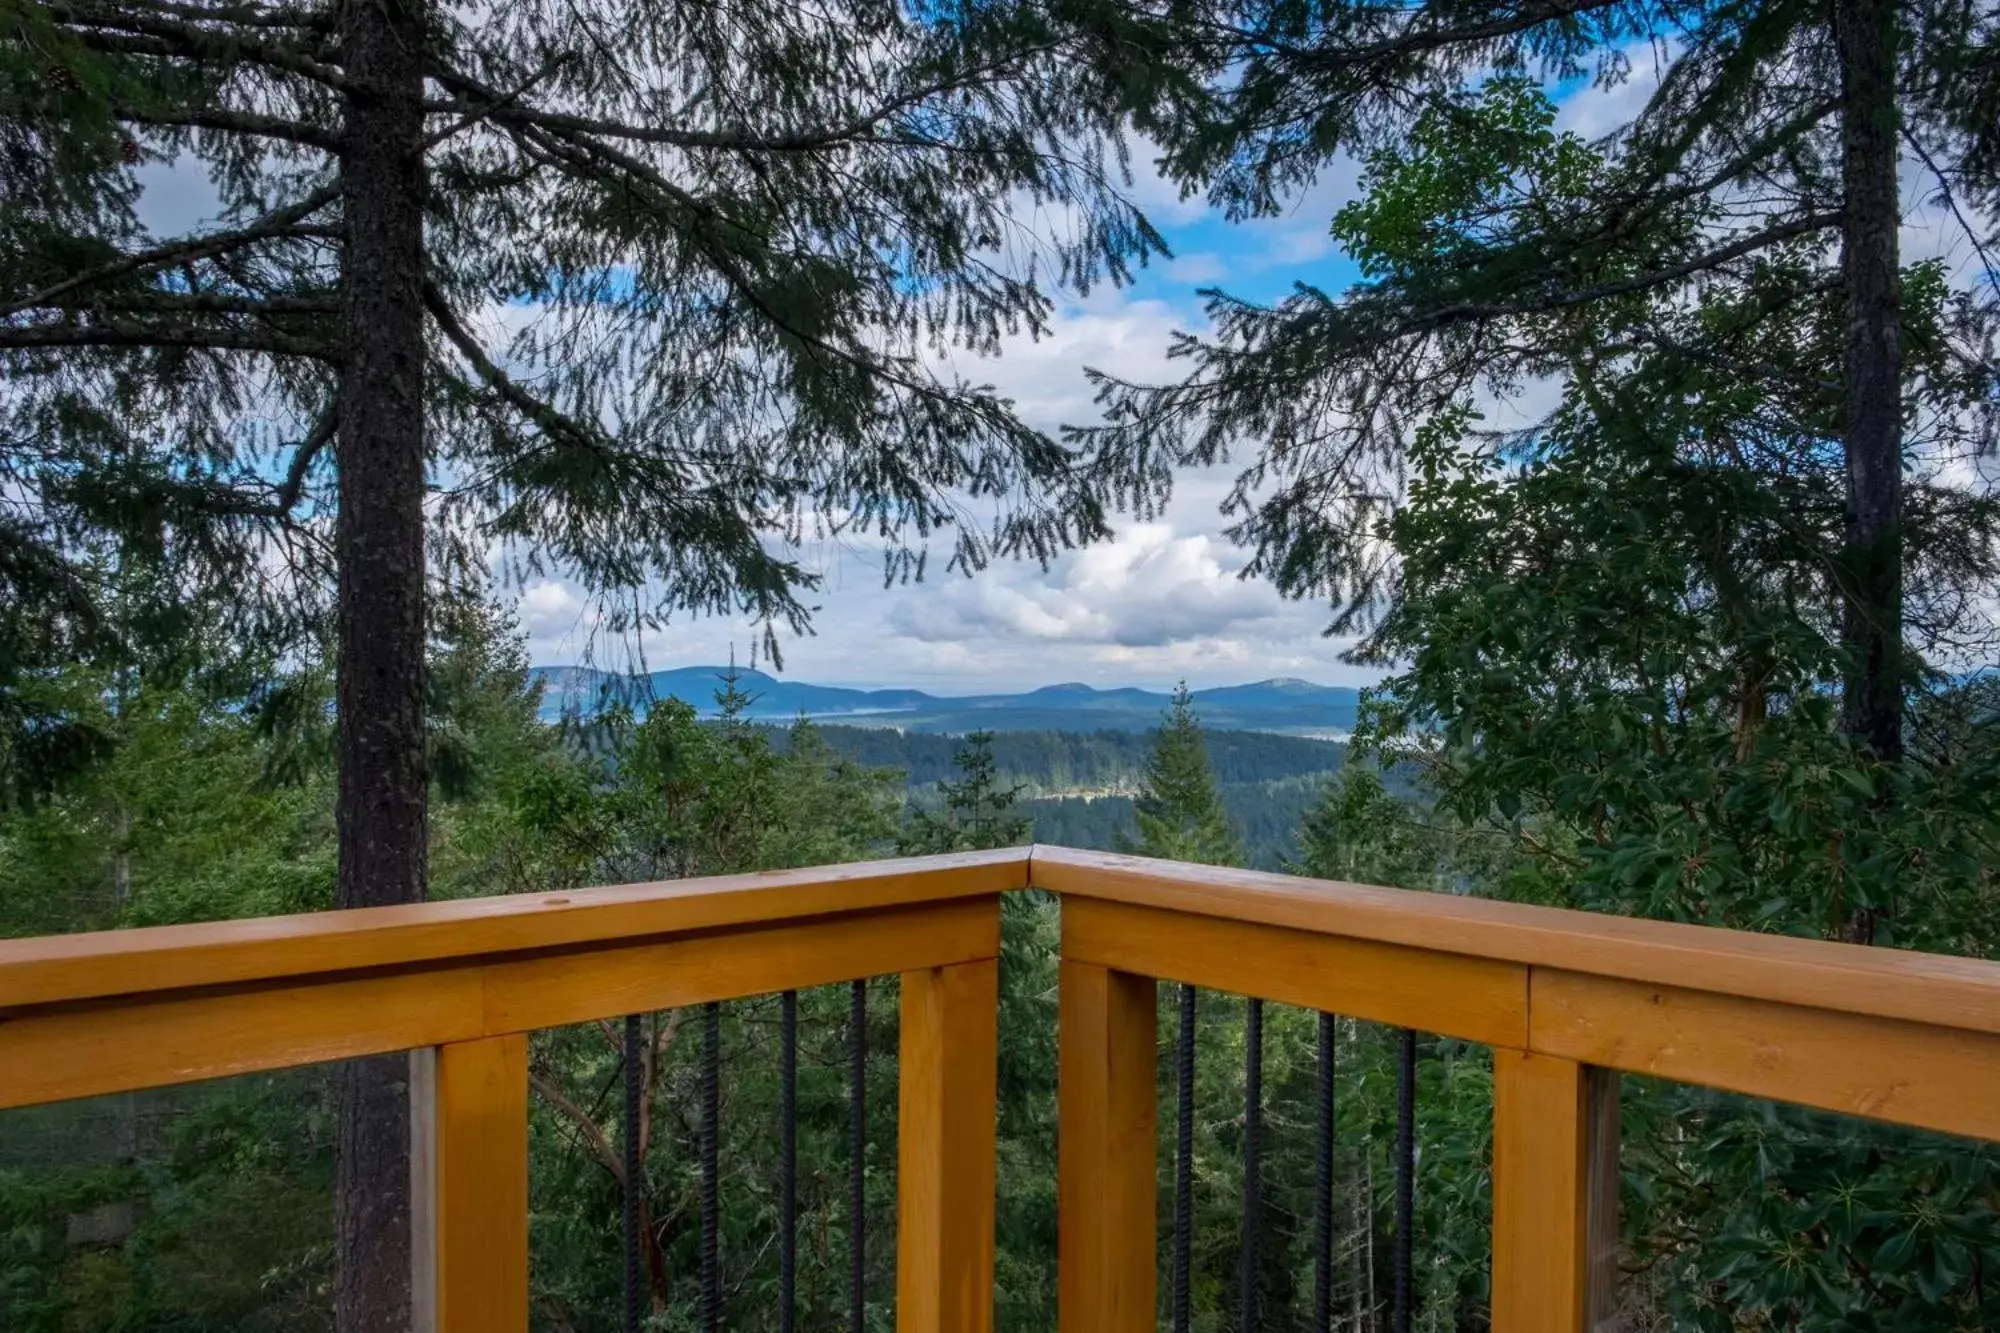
(1078, 786)
(1085, 764)
(1290, 706)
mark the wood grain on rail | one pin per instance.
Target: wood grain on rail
(1885, 1069)
(948, 1109)
(84, 1048)
(49, 969)
(1888, 983)
(1458, 996)
(1107, 1110)
(481, 1199)
(1545, 1182)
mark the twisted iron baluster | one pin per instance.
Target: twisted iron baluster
(788, 1163)
(632, 1183)
(1253, 1161)
(711, 1211)
(857, 1148)
(1323, 1186)
(1406, 1175)
(1183, 1157)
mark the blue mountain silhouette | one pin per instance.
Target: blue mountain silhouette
(1285, 704)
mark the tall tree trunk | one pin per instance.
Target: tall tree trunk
(1872, 695)
(379, 540)
(1865, 32)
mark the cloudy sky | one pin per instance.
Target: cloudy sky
(1162, 600)
(1159, 602)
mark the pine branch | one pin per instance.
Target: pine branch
(250, 16)
(1417, 40)
(858, 129)
(202, 303)
(121, 333)
(470, 115)
(164, 35)
(551, 422)
(1979, 246)
(233, 122)
(1643, 200)
(272, 225)
(294, 485)
(593, 159)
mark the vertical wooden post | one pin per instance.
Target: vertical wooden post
(480, 1209)
(1105, 1187)
(1554, 1172)
(945, 1148)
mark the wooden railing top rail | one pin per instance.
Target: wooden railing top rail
(1933, 989)
(101, 964)
(1888, 983)
(1888, 1033)
(1564, 998)
(116, 1011)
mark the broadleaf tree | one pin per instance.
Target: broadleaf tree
(1701, 638)
(1762, 166)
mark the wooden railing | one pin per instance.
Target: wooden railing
(1563, 998)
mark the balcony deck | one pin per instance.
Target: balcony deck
(1560, 996)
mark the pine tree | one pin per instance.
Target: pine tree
(1358, 832)
(1179, 809)
(747, 233)
(976, 813)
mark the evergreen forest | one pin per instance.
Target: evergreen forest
(1646, 463)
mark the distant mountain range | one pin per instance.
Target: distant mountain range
(1295, 707)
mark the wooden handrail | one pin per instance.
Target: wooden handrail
(1909, 1038)
(1470, 967)
(460, 984)
(116, 1011)
(1926, 988)
(1564, 997)
(53, 968)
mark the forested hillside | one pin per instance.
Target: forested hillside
(1266, 816)
(1078, 788)
(1060, 762)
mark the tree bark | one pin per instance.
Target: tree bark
(1865, 33)
(379, 547)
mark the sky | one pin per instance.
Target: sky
(1158, 603)
(1161, 601)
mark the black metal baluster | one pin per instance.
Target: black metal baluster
(1406, 1176)
(1183, 1157)
(788, 1162)
(1253, 1162)
(711, 1210)
(857, 1150)
(633, 1182)
(1323, 1186)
